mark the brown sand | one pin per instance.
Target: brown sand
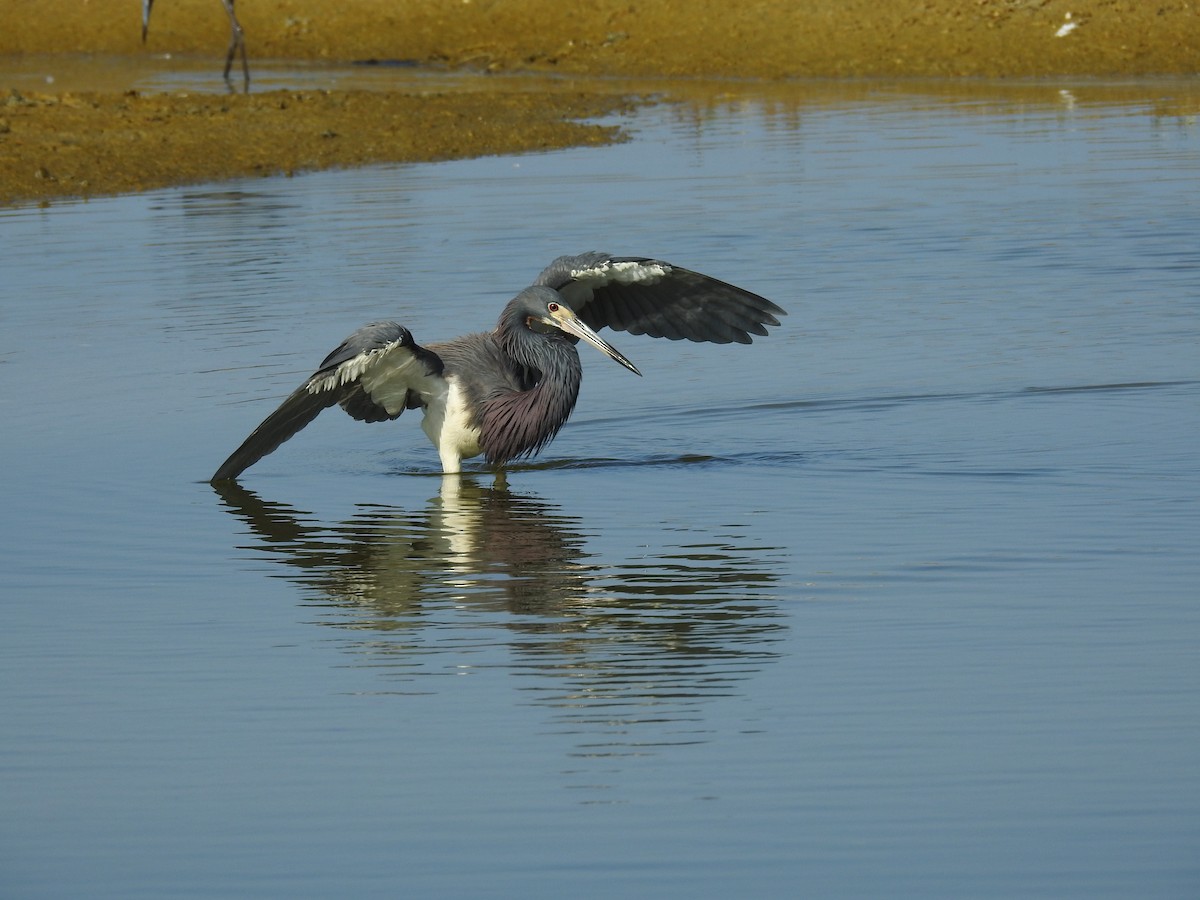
(108, 140)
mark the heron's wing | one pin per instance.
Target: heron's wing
(649, 296)
(375, 374)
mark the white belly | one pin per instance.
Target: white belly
(448, 426)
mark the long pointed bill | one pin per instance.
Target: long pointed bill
(567, 321)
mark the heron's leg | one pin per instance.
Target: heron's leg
(237, 41)
(450, 457)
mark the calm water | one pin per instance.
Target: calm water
(901, 600)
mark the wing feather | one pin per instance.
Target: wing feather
(648, 296)
(374, 375)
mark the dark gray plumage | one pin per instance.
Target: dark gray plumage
(506, 393)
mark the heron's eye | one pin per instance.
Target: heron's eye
(553, 307)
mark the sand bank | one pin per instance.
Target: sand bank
(82, 142)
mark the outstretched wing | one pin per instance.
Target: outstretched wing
(649, 296)
(375, 374)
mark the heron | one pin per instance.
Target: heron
(505, 394)
(237, 41)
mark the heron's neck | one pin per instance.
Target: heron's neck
(520, 422)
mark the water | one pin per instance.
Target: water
(901, 600)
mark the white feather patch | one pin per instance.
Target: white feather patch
(351, 370)
(389, 385)
(386, 381)
(447, 424)
(627, 272)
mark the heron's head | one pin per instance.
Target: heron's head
(543, 311)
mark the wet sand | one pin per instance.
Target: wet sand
(86, 138)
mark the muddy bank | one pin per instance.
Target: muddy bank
(101, 141)
(84, 144)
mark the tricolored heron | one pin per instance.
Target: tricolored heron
(237, 40)
(506, 393)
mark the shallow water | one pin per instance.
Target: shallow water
(901, 599)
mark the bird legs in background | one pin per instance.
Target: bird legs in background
(237, 41)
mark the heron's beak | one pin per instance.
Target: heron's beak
(565, 320)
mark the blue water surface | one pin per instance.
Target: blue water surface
(901, 600)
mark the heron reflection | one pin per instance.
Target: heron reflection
(676, 626)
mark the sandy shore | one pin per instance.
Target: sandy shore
(55, 143)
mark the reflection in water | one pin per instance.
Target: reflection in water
(631, 650)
